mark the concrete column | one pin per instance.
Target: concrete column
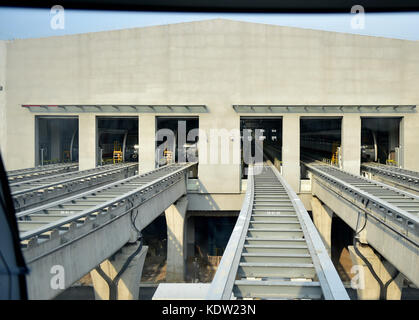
(322, 218)
(129, 283)
(291, 150)
(146, 142)
(55, 136)
(87, 141)
(190, 250)
(409, 141)
(175, 219)
(212, 169)
(351, 143)
(368, 288)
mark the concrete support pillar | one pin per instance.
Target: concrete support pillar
(87, 141)
(129, 283)
(146, 142)
(291, 150)
(55, 136)
(176, 235)
(190, 233)
(322, 218)
(351, 143)
(368, 287)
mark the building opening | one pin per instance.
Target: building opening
(267, 130)
(117, 139)
(380, 140)
(176, 140)
(56, 140)
(320, 139)
(155, 237)
(211, 235)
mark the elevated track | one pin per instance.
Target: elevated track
(390, 216)
(274, 252)
(29, 193)
(41, 171)
(401, 178)
(81, 231)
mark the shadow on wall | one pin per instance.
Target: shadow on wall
(210, 202)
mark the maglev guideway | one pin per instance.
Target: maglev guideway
(275, 251)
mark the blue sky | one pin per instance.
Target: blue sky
(16, 23)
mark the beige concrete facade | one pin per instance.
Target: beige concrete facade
(351, 143)
(216, 63)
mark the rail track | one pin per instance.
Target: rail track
(29, 193)
(54, 219)
(387, 216)
(393, 207)
(406, 179)
(274, 252)
(41, 171)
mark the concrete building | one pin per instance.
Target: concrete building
(221, 74)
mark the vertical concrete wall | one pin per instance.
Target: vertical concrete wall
(351, 143)
(291, 150)
(87, 141)
(215, 164)
(146, 142)
(410, 142)
(217, 63)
